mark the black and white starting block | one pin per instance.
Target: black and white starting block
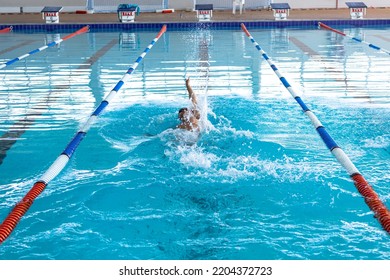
(357, 10)
(204, 12)
(127, 12)
(281, 10)
(51, 14)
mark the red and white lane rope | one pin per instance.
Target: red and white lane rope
(371, 198)
(320, 24)
(59, 164)
(6, 30)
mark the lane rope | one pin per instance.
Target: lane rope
(6, 30)
(20, 126)
(9, 224)
(320, 24)
(52, 44)
(382, 214)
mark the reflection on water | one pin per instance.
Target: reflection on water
(52, 37)
(129, 40)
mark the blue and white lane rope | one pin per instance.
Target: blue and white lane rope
(371, 198)
(320, 24)
(52, 44)
(62, 160)
(58, 165)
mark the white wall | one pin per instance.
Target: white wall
(33, 6)
(41, 3)
(13, 6)
(305, 4)
(218, 4)
(302, 4)
(112, 5)
(297, 4)
(181, 4)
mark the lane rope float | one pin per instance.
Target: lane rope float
(20, 126)
(381, 213)
(13, 218)
(52, 44)
(6, 30)
(320, 24)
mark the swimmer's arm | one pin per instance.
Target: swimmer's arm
(191, 93)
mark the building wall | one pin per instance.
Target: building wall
(181, 4)
(13, 6)
(295, 4)
(32, 6)
(21, 3)
(304, 4)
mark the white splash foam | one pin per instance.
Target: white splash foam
(377, 142)
(195, 157)
(129, 144)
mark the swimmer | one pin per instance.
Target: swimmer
(189, 117)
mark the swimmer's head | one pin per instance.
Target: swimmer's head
(182, 113)
(185, 114)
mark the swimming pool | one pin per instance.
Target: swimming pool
(258, 184)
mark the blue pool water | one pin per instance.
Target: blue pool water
(258, 184)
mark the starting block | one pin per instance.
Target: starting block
(357, 9)
(126, 13)
(204, 12)
(239, 3)
(51, 14)
(281, 10)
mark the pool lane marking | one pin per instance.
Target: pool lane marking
(17, 46)
(383, 38)
(9, 138)
(320, 24)
(317, 57)
(13, 218)
(52, 44)
(382, 214)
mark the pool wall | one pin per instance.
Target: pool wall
(96, 27)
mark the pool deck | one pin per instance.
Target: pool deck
(188, 16)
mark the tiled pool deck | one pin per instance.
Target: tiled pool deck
(186, 19)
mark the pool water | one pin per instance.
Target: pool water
(258, 183)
